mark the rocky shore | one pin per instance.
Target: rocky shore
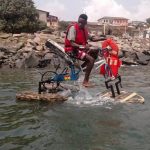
(29, 51)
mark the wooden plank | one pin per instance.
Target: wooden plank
(125, 97)
(34, 96)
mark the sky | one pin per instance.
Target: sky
(69, 10)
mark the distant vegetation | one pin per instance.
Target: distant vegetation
(19, 16)
(148, 20)
(63, 25)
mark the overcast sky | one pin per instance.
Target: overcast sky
(95, 9)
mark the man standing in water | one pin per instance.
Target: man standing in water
(76, 44)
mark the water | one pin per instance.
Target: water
(78, 124)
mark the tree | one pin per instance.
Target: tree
(63, 25)
(18, 16)
(148, 20)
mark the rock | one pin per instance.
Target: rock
(49, 56)
(59, 41)
(40, 54)
(5, 36)
(146, 52)
(31, 42)
(4, 57)
(31, 60)
(62, 34)
(142, 58)
(3, 49)
(37, 40)
(20, 63)
(39, 48)
(1, 54)
(19, 46)
(128, 61)
(28, 60)
(48, 31)
(27, 49)
(17, 35)
(1, 62)
(137, 45)
(44, 63)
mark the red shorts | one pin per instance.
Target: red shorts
(80, 54)
(77, 54)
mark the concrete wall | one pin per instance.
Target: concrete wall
(43, 15)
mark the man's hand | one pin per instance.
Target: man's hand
(112, 52)
(96, 39)
(87, 46)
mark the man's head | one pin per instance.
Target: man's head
(82, 20)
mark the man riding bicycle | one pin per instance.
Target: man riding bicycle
(76, 44)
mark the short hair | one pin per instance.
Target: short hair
(83, 16)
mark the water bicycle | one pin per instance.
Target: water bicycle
(51, 80)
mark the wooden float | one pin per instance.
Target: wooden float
(124, 97)
(34, 96)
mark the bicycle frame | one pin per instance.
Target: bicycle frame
(65, 75)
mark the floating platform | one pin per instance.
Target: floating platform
(34, 96)
(125, 97)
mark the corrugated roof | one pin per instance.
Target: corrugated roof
(42, 10)
(107, 17)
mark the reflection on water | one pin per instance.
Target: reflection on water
(96, 125)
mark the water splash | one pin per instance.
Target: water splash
(87, 97)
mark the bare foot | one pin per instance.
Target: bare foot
(88, 85)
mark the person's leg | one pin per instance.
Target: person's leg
(89, 63)
(93, 53)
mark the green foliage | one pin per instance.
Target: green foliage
(18, 16)
(148, 20)
(63, 25)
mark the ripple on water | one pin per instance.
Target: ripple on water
(84, 122)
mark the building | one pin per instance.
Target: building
(113, 21)
(139, 24)
(95, 28)
(51, 21)
(43, 15)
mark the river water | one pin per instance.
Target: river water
(78, 124)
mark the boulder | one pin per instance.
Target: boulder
(142, 58)
(28, 60)
(5, 36)
(128, 61)
(31, 60)
(40, 48)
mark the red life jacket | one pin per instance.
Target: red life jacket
(81, 37)
(112, 61)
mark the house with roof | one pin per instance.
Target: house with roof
(113, 21)
(43, 15)
(50, 20)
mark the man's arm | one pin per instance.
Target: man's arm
(94, 39)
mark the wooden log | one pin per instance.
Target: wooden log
(34, 96)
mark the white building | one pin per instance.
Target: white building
(114, 21)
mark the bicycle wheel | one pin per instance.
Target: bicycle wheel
(57, 63)
(48, 82)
